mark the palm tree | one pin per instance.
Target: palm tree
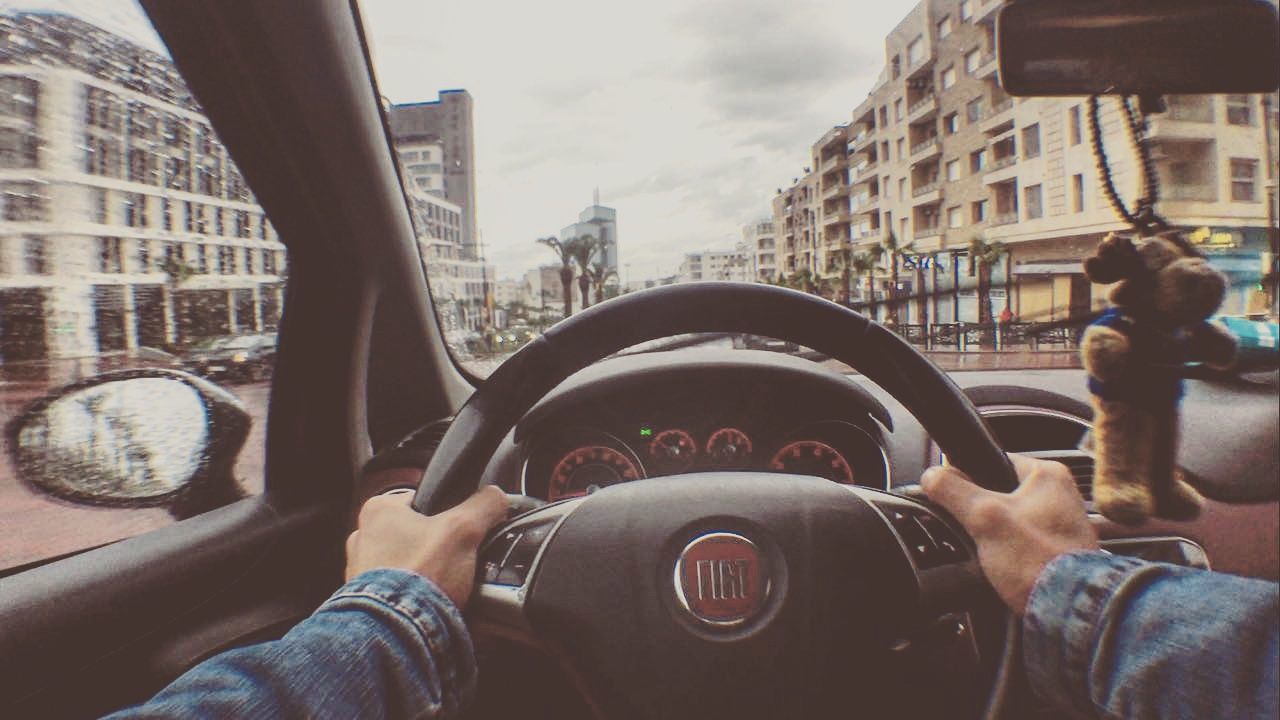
(600, 274)
(985, 254)
(839, 262)
(565, 252)
(864, 264)
(582, 248)
(889, 248)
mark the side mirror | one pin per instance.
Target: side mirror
(1138, 47)
(134, 438)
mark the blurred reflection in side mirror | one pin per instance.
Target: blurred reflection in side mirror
(134, 439)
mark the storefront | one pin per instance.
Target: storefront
(1244, 256)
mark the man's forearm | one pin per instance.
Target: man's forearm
(1119, 637)
(387, 644)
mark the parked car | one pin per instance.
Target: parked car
(246, 358)
(1256, 342)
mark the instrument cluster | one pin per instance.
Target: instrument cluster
(577, 461)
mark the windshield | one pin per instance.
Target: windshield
(868, 155)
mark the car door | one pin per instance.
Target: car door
(287, 88)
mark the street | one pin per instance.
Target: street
(37, 526)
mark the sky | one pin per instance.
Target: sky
(688, 116)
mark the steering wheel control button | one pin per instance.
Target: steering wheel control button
(507, 559)
(930, 542)
(722, 580)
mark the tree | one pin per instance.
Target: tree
(600, 274)
(985, 255)
(864, 264)
(838, 262)
(890, 249)
(582, 248)
(565, 252)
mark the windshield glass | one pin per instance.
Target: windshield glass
(575, 151)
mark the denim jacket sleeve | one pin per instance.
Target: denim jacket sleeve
(388, 644)
(1117, 637)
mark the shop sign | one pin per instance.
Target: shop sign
(1213, 238)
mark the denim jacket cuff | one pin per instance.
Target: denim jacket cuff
(412, 599)
(1064, 615)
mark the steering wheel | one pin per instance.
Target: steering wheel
(734, 594)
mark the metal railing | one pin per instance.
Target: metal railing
(924, 146)
(925, 189)
(1004, 218)
(1002, 163)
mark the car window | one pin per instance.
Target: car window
(854, 152)
(128, 240)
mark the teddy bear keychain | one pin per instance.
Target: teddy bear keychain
(1135, 354)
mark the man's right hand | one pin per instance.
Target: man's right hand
(1017, 533)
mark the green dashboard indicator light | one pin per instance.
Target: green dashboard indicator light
(646, 432)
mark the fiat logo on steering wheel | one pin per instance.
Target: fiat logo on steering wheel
(722, 579)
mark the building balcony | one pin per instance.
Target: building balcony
(925, 149)
(835, 189)
(922, 108)
(988, 64)
(865, 203)
(866, 171)
(986, 10)
(862, 140)
(1168, 127)
(835, 218)
(1007, 218)
(920, 67)
(1001, 170)
(927, 232)
(997, 115)
(834, 162)
(1188, 193)
(925, 194)
(838, 136)
(868, 234)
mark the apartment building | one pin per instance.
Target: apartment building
(939, 154)
(795, 222)
(762, 246)
(123, 221)
(601, 223)
(730, 265)
(436, 140)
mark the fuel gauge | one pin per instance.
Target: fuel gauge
(729, 447)
(672, 451)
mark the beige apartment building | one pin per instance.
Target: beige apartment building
(761, 246)
(938, 153)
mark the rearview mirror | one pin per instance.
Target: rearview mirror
(136, 438)
(1138, 47)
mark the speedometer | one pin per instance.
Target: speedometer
(812, 457)
(587, 469)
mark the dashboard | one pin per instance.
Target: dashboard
(701, 414)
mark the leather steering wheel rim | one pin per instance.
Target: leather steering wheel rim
(456, 468)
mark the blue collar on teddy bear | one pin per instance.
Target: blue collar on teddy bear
(1152, 375)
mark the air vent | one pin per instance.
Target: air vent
(1080, 465)
(414, 451)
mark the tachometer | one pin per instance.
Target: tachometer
(672, 451)
(729, 447)
(811, 457)
(587, 469)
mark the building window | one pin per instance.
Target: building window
(268, 262)
(902, 187)
(101, 206)
(948, 77)
(135, 210)
(110, 259)
(248, 261)
(977, 161)
(1034, 201)
(966, 9)
(1077, 193)
(102, 156)
(1239, 110)
(19, 97)
(144, 256)
(951, 123)
(19, 148)
(34, 258)
(902, 143)
(22, 202)
(219, 226)
(102, 110)
(955, 218)
(202, 259)
(973, 110)
(978, 211)
(141, 166)
(1244, 173)
(915, 52)
(972, 60)
(166, 214)
(1074, 130)
(884, 116)
(1031, 141)
(888, 187)
(177, 175)
(953, 170)
(897, 110)
(944, 27)
(896, 67)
